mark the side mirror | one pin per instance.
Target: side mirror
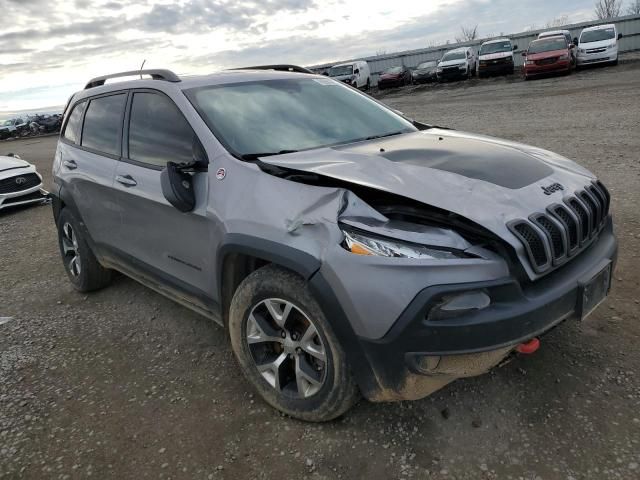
(356, 71)
(572, 46)
(177, 187)
(619, 36)
(515, 47)
(575, 40)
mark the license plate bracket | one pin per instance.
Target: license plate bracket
(594, 291)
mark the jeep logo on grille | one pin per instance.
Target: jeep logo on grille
(21, 180)
(554, 187)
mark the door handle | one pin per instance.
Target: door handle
(126, 180)
(70, 164)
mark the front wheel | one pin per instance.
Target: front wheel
(287, 349)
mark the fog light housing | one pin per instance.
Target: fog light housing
(457, 304)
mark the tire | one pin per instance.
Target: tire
(273, 350)
(83, 269)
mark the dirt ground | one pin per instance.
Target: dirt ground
(123, 383)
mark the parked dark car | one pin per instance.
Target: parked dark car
(395, 77)
(425, 72)
(14, 127)
(49, 123)
(548, 55)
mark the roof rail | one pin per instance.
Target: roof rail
(157, 74)
(280, 68)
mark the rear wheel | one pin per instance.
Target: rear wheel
(82, 267)
(287, 349)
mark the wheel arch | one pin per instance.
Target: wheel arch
(239, 255)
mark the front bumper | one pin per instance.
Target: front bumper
(418, 356)
(603, 57)
(28, 196)
(502, 68)
(559, 66)
(452, 73)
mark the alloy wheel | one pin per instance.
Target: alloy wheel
(286, 348)
(70, 249)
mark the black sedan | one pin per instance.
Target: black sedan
(425, 72)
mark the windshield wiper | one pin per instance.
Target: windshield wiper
(373, 137)
(255, 156)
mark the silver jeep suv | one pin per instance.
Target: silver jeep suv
(346, 249)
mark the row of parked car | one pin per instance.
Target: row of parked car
(552, 51)
(30, 125)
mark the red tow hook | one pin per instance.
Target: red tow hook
(527, 348)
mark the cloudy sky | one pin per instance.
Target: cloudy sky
(50, 48)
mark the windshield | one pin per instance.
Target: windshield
(426, 65)
(291, 114)
(598, 35)
(393, 70)
(548, 45)
(342, 70)
(453, 56)
(495, 48)
(7, 123)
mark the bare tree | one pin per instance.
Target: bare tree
(608, 8)
(634, 8)
(558, 22)
(468, 34)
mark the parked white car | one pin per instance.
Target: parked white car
(20, 183)
(496, 57)
(457, 63)
(598, 44)
(356, 74)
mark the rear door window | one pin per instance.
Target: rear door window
(103, 124)
(74, 124)
(158, 132)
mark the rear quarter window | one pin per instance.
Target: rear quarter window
(103, 124)
(72, 130)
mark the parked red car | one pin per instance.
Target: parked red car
(548, 55)
(395, 77)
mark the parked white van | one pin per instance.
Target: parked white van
(457, 63)
(356, 74)
(496, 57)
(598, 44)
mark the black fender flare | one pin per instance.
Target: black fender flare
(308, 267)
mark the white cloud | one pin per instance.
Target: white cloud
(48, 48)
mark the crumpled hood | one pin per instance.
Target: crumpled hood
(486, 180)
(7, 163)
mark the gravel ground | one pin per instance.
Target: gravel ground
(123, 383)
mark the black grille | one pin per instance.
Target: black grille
(554, 234)
(583, 215)
(547, 61)
(552, 237)
(570, 224)
(15, 184)
(534, 243)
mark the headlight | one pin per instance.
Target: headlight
(439, 69)
(612, 45)
(563, 57)
(363, 244)
(530, 62)
(582, 50)
(462, 66)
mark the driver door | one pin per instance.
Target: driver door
(157, 241)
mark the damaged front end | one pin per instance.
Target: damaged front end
(385, 250)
